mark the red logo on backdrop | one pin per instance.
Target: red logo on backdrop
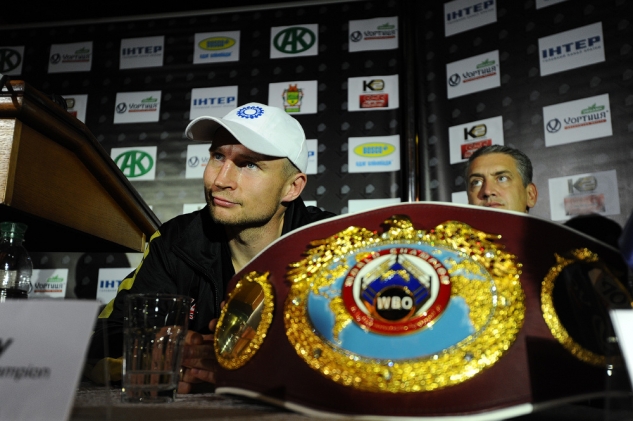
(374, 101)
(192, 311)
(469, 148)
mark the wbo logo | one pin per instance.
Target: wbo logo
(374, 149)
(134, 163)
(10, 59)
(294, 40)
(216, 43)
(396, 291)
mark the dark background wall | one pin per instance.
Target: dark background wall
(331, 188)
(422, 120)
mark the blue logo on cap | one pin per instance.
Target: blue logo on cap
(251, 111)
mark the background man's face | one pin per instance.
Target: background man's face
(494, 181)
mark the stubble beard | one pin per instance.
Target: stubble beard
(236, 219)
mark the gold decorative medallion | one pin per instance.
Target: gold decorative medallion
(244, 321)
(576, 296)
(405, 310)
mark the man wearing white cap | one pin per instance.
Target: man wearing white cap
(253, 183)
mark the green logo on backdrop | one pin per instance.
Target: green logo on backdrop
(593, 109)
(134, 163)
(294, 40)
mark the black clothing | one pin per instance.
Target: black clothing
(189, 255)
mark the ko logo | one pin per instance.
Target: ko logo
(9, 60)
(134, 163)
(553, 125)
(193, 161)
(454, 80)
(121, 108)
(56, 58)
(356, 36)
(294, 40)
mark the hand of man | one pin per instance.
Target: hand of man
(198, 361)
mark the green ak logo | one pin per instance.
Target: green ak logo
(294, 40)
(134, 163)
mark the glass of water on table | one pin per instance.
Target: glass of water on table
(155, 326)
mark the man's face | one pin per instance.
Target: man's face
(494, 181)
(243, 188)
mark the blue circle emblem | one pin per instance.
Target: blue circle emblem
(251, 111)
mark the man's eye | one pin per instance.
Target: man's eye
(475, 183)
(250, 165)
(503, 178)
(216, 156)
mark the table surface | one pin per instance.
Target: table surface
(94, 403)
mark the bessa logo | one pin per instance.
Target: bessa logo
(216, 43)
(374, 149)
(134, 163)
(294, 40)
(592, 109)
(10, 59)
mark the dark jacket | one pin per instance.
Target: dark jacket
(189, 255)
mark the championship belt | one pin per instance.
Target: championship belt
(425, 310)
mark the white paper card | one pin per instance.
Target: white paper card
(42, 356)
(295, 97)
(362, 205)
(473, 74)
(582, 194)
(373, 34)
(313, 156)
(197, 160)
(49, 283)
(465, 139)
(373, 154)
(622, 322)
(372, 93)
(464, 15)
(575, 121)
(109, 281)
(571, 49)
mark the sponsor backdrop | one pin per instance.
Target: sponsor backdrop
(551, 77)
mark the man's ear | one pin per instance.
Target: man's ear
(295, 186)
(532, 195)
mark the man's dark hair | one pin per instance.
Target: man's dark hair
(524, 165)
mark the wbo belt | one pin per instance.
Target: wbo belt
(425, 310)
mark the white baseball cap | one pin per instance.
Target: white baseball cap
(262, 129)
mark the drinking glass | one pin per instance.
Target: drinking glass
(154, 332)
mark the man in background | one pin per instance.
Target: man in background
(500, 177)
